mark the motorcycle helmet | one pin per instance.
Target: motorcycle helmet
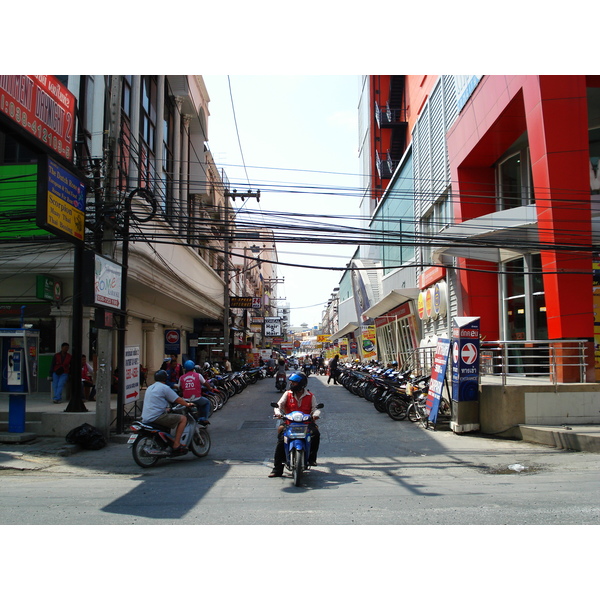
(298, 381)
(189, 365)
(161, 376)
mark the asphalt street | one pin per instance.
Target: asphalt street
(372, 471)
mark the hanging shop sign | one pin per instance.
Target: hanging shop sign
(102, 282)
(48, 288)
(272, 326)
(42, 107)
(60, 201)
(244, 302)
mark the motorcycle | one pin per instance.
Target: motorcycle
(150, 442)
(296, 442)
(280, 382)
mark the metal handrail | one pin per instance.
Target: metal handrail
(534, 358)
(509, 358)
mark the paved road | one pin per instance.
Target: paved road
(372, 471)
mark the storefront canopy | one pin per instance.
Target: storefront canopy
(392, 300)
(495, 238)
(348, 328)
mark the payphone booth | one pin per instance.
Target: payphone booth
(19, 352)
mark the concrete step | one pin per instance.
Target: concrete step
(582, 438)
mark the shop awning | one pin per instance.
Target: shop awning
(348, 328)
(392, 300)
(491, 237)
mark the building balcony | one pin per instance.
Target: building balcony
(390, 117)
(385, 164)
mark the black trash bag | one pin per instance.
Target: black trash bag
(86, 436)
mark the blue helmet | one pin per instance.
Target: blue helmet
(189, 365)
(298, 380)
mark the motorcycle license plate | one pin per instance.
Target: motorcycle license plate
(132, 438)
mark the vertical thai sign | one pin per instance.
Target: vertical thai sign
(438, 375)
(132, 373)
(42, 107)
(465, 359)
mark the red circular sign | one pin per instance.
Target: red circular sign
(172, 337)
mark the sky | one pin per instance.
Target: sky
(292, 129)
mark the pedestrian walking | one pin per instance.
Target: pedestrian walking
(59, 371)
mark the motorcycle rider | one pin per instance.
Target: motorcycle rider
(190, 385)
(296, 398)
(157, 406)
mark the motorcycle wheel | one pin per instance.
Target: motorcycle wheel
(396, 410)
(140, 446)
(297, 466)
(200, 445)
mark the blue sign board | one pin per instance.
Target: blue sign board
(172, 341)
(438, 375)
(465, 359)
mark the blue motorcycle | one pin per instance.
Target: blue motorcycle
(296, 442)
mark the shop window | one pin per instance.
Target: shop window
(524, 299)
(514, 181)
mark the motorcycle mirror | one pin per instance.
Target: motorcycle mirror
(274, 404)
(320, 405)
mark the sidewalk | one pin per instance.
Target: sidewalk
(43, 418)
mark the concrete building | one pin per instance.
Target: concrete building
(157, 212)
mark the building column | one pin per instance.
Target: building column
(149, 357)
(557, 123)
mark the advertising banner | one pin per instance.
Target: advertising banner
(369, 342)
(132, 373)
(438, 375)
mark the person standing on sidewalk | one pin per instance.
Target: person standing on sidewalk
(59, 371)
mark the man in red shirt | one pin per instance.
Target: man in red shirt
(296, 398)
(190, 386)
(59, 371)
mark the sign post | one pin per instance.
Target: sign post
(465, 374)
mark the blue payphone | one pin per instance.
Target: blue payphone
(19, 350)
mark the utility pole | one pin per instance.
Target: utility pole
(234, 195)
(106, 247)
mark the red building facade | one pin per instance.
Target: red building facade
(546, 122)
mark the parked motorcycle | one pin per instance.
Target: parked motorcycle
(296, 442)
(149, 442)
(280, 382)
